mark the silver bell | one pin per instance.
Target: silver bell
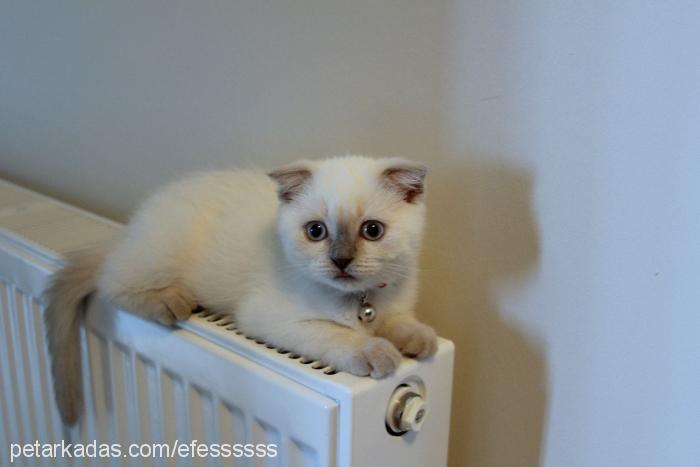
(367, 313)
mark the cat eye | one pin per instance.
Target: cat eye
(316, 231)
(372, 230)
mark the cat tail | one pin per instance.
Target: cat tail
(65, 298)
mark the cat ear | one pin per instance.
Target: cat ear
(405, 177)
(291, 181)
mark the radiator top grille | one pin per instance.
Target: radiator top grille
(227, 322)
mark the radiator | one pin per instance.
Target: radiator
(202, 380)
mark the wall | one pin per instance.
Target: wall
(564, 141)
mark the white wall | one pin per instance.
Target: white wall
(563, 248)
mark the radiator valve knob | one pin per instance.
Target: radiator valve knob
(413, 414)
(406, 411)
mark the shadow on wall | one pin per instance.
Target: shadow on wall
(480, 235)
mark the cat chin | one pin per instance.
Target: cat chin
(345, 285)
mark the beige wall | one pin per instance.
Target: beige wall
(563, 138)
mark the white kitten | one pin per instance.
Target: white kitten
(289, 253)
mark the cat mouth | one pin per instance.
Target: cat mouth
(344, 276)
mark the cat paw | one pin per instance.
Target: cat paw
(170, 305)
(412, 338)
(377, 357)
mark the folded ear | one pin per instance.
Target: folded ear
(291, 180)
(405, 177)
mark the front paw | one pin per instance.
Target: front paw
(376, 357)
(412, 338)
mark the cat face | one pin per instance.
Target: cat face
(353, 223)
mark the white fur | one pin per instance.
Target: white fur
(223, 240)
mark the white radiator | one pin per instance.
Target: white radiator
(203, 380)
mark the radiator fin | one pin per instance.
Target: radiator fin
(202, 420)
(121, 368)
(232, 427)
(44, 395)
(169, 393)
(12, 422)
(22, 386)
(101, 387)
(148, 402)
(264, 433)
(301, 455)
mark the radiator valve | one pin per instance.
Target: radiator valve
(406, 410)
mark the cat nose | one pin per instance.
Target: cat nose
(342, 262)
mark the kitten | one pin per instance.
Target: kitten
(289, 253)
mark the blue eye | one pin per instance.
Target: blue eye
(372, 230)
(316, 231)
